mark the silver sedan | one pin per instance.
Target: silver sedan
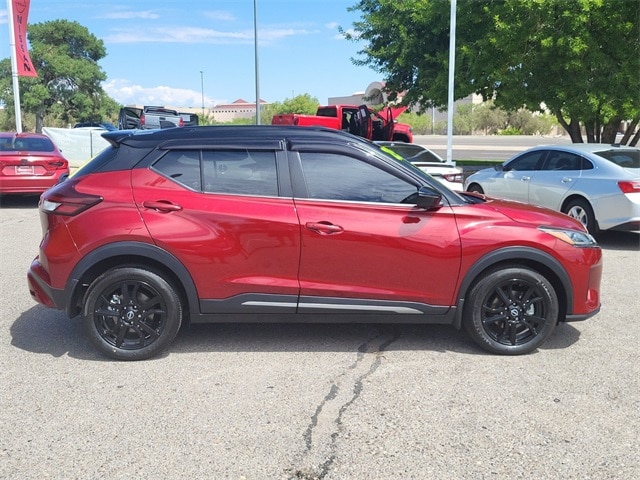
(596, 183)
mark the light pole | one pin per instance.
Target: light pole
(255, 35)
(202, 90)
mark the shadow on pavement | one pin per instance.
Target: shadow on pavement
(19, 201)
(612, 240)
(50, 332)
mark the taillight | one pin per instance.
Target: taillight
(142, 120)
(181, 122)
(453, 177)
(64, 199)
(629, 186)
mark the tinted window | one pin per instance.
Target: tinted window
(528, 161)
(625, 158)
(564, 161)
(338, 177)
(26, 144)
(183, 166)
(240, 172)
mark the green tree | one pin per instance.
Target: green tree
(578, 59)
(304, 104)
(65, 55)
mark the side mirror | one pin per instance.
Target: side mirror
(428, 198)
(499, 167)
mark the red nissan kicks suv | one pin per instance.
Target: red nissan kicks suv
(280, 224)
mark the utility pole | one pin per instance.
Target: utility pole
(202, 90)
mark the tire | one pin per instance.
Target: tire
(581, 210)
(474, 187)
(131, 313)
(511, 311)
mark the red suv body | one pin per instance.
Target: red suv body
(279, 224)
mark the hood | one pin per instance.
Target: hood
(533, 215)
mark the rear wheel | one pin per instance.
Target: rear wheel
(131, 313)
(582, 211)
(474, 187)
(511, 311)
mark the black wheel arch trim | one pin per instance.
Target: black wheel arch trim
(129, 249)
(517, 255)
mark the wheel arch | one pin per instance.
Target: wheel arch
(131, 254)
(571, 198)
(537, 260)
(582, 198)
(472, 184)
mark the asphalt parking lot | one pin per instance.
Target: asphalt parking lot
(320, 401)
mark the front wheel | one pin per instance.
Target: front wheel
(511, 311)
(131, 313)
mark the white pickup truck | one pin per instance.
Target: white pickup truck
(149, 117)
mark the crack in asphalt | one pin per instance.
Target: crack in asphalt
(320, 437)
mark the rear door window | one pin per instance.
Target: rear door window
(236, 172)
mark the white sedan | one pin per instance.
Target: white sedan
(427, 161)
(598, 184)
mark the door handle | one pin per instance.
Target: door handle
(566, 179)
(324, 228)
(525, 179)
(164, 206)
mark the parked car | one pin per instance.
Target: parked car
(280, 224)
(427, 161)
(30, 163)
(595, 183)
(101, 125)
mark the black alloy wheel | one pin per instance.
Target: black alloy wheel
(131, 313)
(511, 311)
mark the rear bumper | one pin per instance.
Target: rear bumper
(581, 317)
(41, 290)
(30, 184)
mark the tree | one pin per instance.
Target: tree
(66, 57)
(304, 104)
(580, 60)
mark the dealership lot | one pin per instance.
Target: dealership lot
(320, 401)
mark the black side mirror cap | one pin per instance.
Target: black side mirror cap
(428, 198)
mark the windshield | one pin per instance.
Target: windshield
(626, 157)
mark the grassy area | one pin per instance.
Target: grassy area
(478, 163)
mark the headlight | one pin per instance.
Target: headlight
(572, 237)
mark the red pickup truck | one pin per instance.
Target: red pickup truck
(361, 121)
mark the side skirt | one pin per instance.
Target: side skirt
(257, 308)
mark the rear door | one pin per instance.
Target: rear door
(363, 248)
(560, 173)
(225, 214)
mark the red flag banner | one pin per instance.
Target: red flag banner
(20, 15)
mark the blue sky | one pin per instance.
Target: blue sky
(156, 49)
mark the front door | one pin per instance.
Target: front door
(365, 246)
